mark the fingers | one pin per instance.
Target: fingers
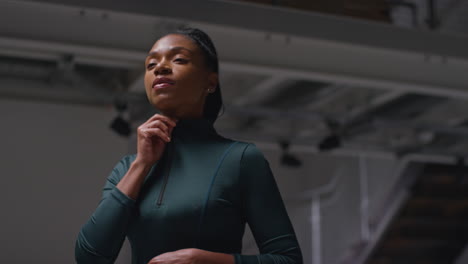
(163, 258)
(187, 255)
(155, 260)
(150, 132)
(169, 121)
(158, 124)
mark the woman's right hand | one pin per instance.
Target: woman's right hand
(152, 137)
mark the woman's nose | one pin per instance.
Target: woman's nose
(162, 68)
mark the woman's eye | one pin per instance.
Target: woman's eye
(180, 60)
(150, 65)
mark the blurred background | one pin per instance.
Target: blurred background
(360, 106)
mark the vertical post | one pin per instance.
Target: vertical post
(364, 186)
(432, 20)
(316, 257)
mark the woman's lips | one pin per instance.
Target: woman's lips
(162, 85)
(163, 82)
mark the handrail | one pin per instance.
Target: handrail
(391, 207)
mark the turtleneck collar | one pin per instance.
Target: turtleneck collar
(194, 127)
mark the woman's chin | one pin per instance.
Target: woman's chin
(165, 108)
(162, 102)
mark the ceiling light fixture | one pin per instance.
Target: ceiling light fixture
(288, 159)
(119, 124)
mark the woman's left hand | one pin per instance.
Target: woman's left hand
(183, 256)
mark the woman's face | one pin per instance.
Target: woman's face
(177, 79)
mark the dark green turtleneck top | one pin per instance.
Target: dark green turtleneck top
(200, 195)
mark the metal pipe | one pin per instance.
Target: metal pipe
(363, 177)
(316, 257)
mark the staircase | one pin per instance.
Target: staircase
(432, 226)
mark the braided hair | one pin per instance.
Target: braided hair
(213, 101)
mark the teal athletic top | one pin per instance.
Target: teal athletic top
(200, 194)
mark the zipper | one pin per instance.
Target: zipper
(166, 174)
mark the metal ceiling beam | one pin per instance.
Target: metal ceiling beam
(330, 95)
(281, 20)
(20, 89)
(308, 46)
(375, 103)
(53, 51)
(415, 76)
(262, 90)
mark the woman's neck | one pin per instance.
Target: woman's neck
(180, 114)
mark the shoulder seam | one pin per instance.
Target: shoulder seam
(241, 185)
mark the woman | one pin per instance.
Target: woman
(187, 194)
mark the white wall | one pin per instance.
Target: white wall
(54, 160)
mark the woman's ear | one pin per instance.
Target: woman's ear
(212, 82)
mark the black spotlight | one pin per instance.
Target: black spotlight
(287, 158)
(330, 142)
(119, 124)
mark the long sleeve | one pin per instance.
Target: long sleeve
(265, 213)
(100, 239)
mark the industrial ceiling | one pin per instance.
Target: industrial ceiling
(358, 76)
